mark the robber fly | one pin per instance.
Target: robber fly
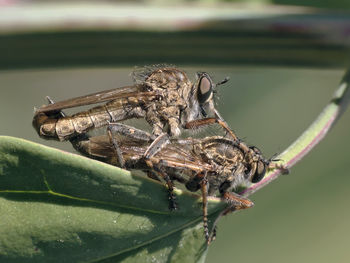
(163, 96)
(213, 165)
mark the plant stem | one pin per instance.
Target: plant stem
(312, 135)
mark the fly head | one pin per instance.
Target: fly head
(256, 164)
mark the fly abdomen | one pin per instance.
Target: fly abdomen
(116, 109)
(63, 128)
(99, 117)
(45, 125)
(82, 122)
(54, 126)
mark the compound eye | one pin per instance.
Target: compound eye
(205, 89)
(259, 172)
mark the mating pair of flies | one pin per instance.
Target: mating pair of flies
(169, 102)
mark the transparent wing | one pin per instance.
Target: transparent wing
(98, 97)
(180, 155)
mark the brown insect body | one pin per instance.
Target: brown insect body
(215, 165)
(165, 97)
(181, 159)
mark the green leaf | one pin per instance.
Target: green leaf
(58, 206)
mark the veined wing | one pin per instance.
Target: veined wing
(177, 154)
(181, 156)
(100, 147)
(97, 147)
(98, 97)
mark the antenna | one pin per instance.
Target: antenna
(223, 81)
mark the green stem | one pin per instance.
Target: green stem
(312, 135)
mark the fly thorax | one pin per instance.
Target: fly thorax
(167, 78)
(227, 156)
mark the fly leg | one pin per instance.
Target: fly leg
(153, 119)
(133, 133)
(162, 138)
(116, 147)
(153, 175)
(130, 132)
(127, 131)
(158, 143)
(200, 181)
(174, 125)
(236, 202)
(153, 149)
(172, 198)
(204, 189)
(170, 115)
(284, 169)
(169, 183)
(208, 121)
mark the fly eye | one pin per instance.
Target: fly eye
(259, 172)
(205, 89)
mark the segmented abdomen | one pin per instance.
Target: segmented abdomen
(63, 128)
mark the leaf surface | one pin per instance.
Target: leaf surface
(61, 207)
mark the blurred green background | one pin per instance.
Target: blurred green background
(301, 217)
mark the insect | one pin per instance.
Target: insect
(163, 96)
(213, 165)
